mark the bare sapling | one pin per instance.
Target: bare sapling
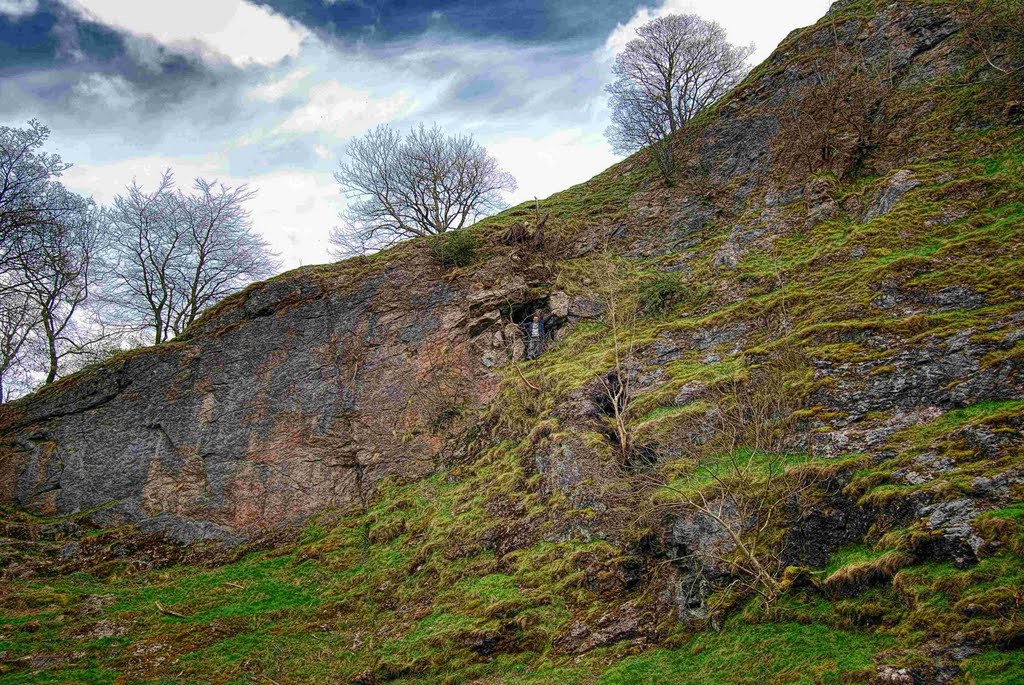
(621, 313)
(739, 476)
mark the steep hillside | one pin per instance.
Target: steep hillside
(776, 436)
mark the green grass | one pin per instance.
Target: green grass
(979, 413)
(753, 466)
(404, 591)
(994, 668)
(851, 555)
(776, 653)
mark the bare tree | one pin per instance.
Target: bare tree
(222, 252)
(420, 184)
(18, 320)
(47, 241)
(621, 316)
(837, 117)
(678, 66)
(57, 276)
(993, 28)
(147, 240)
(30, 196)
(172, 254)
(740, 476)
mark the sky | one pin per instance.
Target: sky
(267, 92)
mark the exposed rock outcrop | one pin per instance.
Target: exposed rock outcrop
(297, 396)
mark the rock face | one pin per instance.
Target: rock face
(296, 397)
(901, 183)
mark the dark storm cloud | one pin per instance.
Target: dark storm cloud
(80, 77)
(498, 79)
(43, 38)
(529, 21)
(55, 38)
(506, 59)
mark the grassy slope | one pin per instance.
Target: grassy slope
(418, 589)
(415, 589)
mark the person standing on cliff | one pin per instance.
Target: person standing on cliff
(534, 337)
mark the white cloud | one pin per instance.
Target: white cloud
(18, 8)
(623, 33)
(341, 111)
(275, 89)
(146, 52)
(105, 180)
(234, 31)
(763, 23)
(295, 210)
(546, 164)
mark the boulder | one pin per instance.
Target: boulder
(892, 191)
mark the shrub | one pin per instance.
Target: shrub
(454, 249)
(657, 294)
(992, 28)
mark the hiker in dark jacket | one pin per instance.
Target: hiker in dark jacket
(534, 337)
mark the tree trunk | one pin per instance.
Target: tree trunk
(51, 348)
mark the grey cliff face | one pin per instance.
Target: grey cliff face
(297, 398)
